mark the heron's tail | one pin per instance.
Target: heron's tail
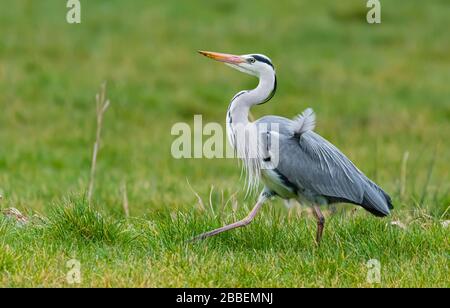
(376, 200)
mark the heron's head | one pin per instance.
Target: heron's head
(252, 64)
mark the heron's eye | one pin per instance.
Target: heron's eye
(251, 60)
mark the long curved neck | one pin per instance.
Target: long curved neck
(244, 100)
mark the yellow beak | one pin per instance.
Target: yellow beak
(223, 57)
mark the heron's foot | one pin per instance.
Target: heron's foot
(320, 224)
(241, 223)
(218, 230)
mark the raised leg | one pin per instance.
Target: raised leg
(262, 198)
(320, 223)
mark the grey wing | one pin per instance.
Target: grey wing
(312, 163)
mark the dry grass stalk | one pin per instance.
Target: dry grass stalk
(102, 106)
(126, 207)
(210, 200)
(200, 201)
(403, 175)
(399, 224)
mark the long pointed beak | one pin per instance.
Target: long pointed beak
(223, 57)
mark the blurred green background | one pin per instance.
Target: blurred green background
(379, 92)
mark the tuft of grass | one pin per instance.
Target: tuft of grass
(7, 257)
(5, 226)
(76, 219)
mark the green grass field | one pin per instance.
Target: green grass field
(381, 94)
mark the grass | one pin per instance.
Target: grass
(276, 251)
(379, 92)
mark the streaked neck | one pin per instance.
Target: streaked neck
(244, 100)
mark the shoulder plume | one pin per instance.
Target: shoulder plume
(304, 122)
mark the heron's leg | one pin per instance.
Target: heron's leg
(262, 198)
(320, 223)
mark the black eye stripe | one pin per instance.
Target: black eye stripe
(263, 59)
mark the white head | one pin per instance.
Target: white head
(253, 64)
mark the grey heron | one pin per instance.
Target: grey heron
(308, 168)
